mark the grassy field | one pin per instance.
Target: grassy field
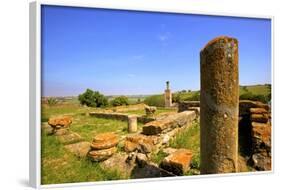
(159, 111)
(255, 89)
(61, 166)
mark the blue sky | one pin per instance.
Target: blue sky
(128, 52)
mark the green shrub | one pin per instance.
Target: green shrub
(155, 100)
(52, 101)
(92, 98)
(177, 97)
(119, 101)
(44, 118)
(255, 97)
(194, 97)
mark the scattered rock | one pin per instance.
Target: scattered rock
(150, 110)
(141, 159)
(261, 161)
(150, 170)
(101, 155)
(165, 139)
(70, 138)
(60, 122)
(118, 162)
(104, 141)
(141, 143)
(47, 129)
(169, 150)
(131, 159)
(60, 132)
(130, 146)
(177, 162)
(80, 149)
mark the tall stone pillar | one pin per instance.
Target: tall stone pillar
(168, 96)
(219, 106)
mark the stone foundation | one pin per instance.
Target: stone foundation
(169, 123)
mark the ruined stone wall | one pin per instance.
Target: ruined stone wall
(186, 105)
(118, 116)
(121, 116)
(255, 133)
(168, 123)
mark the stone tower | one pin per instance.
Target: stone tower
(219, 106)
(168, 95)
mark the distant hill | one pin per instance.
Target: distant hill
(252, 92)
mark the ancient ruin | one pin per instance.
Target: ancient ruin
(168, 95)
(225, 125)
(219, 101)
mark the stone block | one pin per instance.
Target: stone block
(70, 138)
(60, 122)
(150, 170)
(169, 123)
(141, 143)
(261, 161)
(61, 131)
(101, 155)
(79, 149)
(104, 141)
(258, 111)
(177, 162)
(262, 118)
(261, 136)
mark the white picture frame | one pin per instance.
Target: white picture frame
(35, 87)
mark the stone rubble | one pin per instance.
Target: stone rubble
(177, 162)
(140, 143)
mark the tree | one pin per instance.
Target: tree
(155, 100)
(119, 101)
(245, 89)
(254, 97)
(92, 98)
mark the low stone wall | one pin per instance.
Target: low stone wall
(121, 116)
(185, 105)
(169, 123)
(129, 108)
(255, 129)
(118, 116)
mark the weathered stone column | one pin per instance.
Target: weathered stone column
(132, 124)
(219, 106)
(168, 95)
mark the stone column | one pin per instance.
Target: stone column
(168, 96)
(219, 106)
(132, 124)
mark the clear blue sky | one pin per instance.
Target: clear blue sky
(127, 52)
